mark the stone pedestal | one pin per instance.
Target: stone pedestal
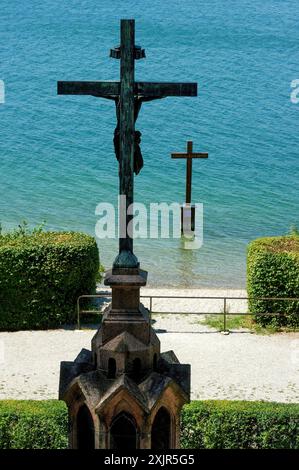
(188, 220)
(125, 393)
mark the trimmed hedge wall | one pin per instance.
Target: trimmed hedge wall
(41, 276)
(240, 425)
(205, 425)
(273, 271)
(33, 424)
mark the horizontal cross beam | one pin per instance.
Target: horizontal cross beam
(88, 88)
(165, 89)
(189, 155)
(107, 89)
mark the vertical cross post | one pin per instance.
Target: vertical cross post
(189, 172)
(127, 129)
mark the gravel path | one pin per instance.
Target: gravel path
(241, 365)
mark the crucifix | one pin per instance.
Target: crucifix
(125, 366)
(128, 96)
(188, 211)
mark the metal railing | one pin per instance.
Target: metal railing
(225, 311)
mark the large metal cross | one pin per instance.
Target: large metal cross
(189, 157)
(128, 96)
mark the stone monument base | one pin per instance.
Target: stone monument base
(125, 393)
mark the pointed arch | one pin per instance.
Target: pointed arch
(123, 432)
(85, 429)
(136, 368)
(161, 430)
(111, 368)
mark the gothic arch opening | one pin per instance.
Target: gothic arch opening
(85, 429)
(136, 368)
(161, 429)
(123, 432)
(111, 368)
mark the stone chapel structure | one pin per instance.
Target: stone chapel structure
(125, 393)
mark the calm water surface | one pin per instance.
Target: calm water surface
(57, 161)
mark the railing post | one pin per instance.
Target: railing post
(225, 331)
(78, 314)
(150, 309)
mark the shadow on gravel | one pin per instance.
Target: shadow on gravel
(160, 331)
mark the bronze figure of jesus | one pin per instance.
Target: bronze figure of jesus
(138, 159)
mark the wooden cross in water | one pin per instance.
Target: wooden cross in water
(189, 157)
(128, 96)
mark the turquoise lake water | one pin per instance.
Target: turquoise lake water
(57, 161)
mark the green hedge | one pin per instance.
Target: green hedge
(273, 271)
(205, 425)
(240, 425)
(33, 424)
(41, 276)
